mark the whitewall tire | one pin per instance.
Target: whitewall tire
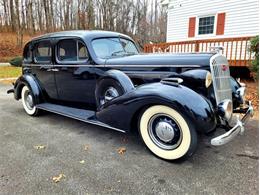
(167, 133)
(28, 101)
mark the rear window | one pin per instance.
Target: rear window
(42, 52)
(71, 50)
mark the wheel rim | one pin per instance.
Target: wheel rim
(109, 94)
(164, 131)
(28, 98)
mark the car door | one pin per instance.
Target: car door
(75, 75)
(42, 67)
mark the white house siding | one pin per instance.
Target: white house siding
(242, 19)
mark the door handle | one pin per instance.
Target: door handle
(53, 69)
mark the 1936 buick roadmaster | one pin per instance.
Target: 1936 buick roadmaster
(100, 77)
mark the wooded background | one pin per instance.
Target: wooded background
(144, 20)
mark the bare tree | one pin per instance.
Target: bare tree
(145, 20)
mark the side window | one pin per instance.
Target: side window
(27, 54)
(42, 52)
(83, 53)
(70, 50)
(67, 50)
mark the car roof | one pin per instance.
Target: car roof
(84, 34)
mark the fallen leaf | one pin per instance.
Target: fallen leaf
(86, 147)
(82, 162)
(121, 150)
(39, 147)
(110, 189)
(58, 178)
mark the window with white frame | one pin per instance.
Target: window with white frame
(206, 25)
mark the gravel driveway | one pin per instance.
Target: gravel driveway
(88, 158)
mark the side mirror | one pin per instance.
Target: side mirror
(17, 61)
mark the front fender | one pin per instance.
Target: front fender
(30, 81)
(121, 111)
(121, 77)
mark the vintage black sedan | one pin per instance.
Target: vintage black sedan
(101, 78)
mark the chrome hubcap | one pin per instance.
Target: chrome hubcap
(29, 100)
(110, 94)
(164, 131)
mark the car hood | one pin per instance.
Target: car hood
(201, 59)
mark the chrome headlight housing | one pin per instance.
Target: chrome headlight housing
(208, 79)
(225, 109)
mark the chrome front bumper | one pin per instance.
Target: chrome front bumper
(237, 129)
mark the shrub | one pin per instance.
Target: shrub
(17, 61)
(254, 48)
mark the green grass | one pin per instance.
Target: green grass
(10, 72)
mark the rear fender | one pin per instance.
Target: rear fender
(121, 111)
(31, 82)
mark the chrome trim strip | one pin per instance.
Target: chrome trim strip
(37, 65)
(155, 66)
(117, 66)
(147, 72)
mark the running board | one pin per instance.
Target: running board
(86, 116)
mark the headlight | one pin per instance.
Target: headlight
(225, 109)
(208, 79)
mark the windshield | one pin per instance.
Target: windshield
(113, 47)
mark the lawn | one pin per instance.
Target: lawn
(10, 72)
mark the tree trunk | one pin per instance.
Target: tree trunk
(13, 17)
(19, 32)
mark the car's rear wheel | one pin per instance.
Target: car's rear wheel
(167, 133)
(108, 89)
(28, 102)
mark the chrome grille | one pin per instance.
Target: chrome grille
(221, 78)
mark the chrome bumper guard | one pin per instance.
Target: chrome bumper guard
(237, 129)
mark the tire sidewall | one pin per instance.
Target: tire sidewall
(31, 112)
(189, 136)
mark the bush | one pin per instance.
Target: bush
(254, 48)
(17, 61)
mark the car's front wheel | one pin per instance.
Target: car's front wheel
(167, 133)
(28, 102)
